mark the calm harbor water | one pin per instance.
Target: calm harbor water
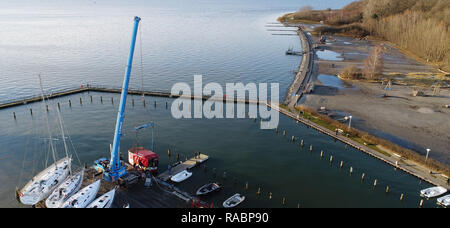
(225, 41)
(235, 146)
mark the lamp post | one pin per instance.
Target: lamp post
(350, 122)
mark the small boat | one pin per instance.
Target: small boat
(104, 201)
(43, 184)
(208, 188)
(234, 201)
(444, 201)
(183, 175)
(84, 197)
(67, 189)
(433, 192)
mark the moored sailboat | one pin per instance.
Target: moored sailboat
(63, 192)
(42, 185)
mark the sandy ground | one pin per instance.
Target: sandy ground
(413, 122)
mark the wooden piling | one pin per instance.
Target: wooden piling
(46, 108)
(310, 148)
(81, 101)
(246, 186)
(351, 170)
(421, 203)
(259, 191)
(59, 107)
(387, 189)
(342, 164)
(293, 138)
(284, 132)
(132, 102)
(31, 111)
(284, 201)
(168, 152)
(321, 154)
(112, 100)
(362, 177)
(375, 183)
(14, 115)
(401, 197)
(166, 104)
(101, 99)
(302, 143)
(270, 195)
(91, 98)
(155, 104)
(331, 159)
(70, 103)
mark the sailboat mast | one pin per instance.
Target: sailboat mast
(64, 138)
(46, 119)
(115, 160)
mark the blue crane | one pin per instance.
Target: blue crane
(114, 169)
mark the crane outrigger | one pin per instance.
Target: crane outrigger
(115, 168)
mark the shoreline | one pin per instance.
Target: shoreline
(422, 171)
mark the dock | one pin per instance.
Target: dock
(110, 89)
(292, 52)
(189, 164)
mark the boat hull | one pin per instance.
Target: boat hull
(67, 189)
(84, 197)
(182, 176)
(43, 184)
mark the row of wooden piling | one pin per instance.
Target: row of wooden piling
(341, 165)
(91, 100)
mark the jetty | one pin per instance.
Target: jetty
(110, 89)
(188, 164)
(407, 167)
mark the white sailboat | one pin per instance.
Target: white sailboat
(42, 185)
(104, 201)
(72, 183)
(84, 197)
(67, 189)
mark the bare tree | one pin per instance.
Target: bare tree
(373, 65)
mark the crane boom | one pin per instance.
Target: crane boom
(116, 170)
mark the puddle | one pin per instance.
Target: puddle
(329, 55)
(332, 81)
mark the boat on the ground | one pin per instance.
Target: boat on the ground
(42, 185)
(183, 175)
(104, 201)
(84, 197)
(234, 201)
(433, 192)
(67, 189)
(444, 201)
(208, 188)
